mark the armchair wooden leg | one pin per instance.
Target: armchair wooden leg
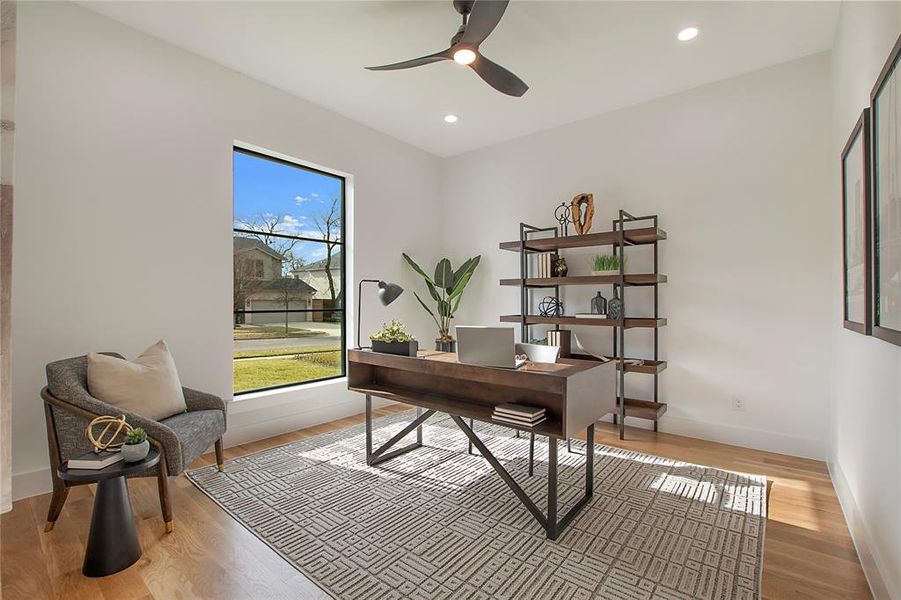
(60, 493)
(220, 458)
(163, 484)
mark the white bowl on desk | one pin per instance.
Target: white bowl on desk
(539, 353)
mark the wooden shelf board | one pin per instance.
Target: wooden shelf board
(628, 279)
(651, 367)
(630, 323)
(638, 236)
(455, 405)
(644, 409)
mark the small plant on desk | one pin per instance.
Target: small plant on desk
(394, 339)
(136, 446)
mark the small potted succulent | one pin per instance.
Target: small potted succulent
(136, 445)
(394, 339)
(607, 264)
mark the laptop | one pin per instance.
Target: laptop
(487, 347)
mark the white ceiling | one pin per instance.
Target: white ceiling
(579, 58)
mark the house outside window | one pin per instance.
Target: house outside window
(288, 273)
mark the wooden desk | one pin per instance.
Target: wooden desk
(574, 393)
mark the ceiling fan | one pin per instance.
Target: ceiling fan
(480, 17)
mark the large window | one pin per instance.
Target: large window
(288, 273)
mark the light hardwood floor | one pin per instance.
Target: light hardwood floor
(808, 552)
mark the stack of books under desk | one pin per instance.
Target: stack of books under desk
(519, 414)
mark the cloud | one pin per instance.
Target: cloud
(288, 224)
(314, 195)
(302, 199)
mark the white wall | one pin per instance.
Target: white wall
(123, 218)
(740, 173)
(865, 415)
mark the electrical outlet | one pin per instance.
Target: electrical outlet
(738, 403)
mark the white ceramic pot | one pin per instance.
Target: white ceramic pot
(135, 452)
(613, 272)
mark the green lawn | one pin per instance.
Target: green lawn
(268, 372)
(265, 332)
(287, 351)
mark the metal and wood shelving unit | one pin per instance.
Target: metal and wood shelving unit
(624, 235)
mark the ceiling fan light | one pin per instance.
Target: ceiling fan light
(464, 56)
(687, 34)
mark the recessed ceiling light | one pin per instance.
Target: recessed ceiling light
(689, 33)
(464, 56)
(450, 118)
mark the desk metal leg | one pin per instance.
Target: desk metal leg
(549, 522)
(381, 454)
(531, 454)
(471, 426)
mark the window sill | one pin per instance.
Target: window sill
(254, 400)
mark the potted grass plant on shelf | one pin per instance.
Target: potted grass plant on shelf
(607, 264)
(446, 289)
(394, 339)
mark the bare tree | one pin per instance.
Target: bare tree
(329, 226)
(269, 228)
(290, 290)
(247, 282)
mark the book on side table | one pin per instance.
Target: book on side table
(94, 460)
(519, 414)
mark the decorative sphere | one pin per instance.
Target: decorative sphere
(550, 307)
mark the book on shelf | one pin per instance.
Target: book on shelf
(589, 316)
(519, 414)
(546, 264)
(519, 410)
(94, 461)
(520, 422)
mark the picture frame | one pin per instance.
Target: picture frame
(856, 227)
(885, 116)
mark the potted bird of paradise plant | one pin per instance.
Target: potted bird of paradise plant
(446, 289)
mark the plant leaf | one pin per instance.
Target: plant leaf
(457, 291)
(444, 309)
(444, 274)
(417, 268)
(428, 310)
(468, 266)
(433, 291)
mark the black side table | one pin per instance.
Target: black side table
(113, 541)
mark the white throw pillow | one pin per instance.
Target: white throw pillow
(147, 386)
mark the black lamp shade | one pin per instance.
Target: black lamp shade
(388, 292)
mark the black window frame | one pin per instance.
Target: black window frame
(342, 245)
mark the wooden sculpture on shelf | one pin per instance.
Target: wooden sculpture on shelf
(106, 440)
(581, 217)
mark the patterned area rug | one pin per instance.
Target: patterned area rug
(439, 523)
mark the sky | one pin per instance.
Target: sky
(295, 195)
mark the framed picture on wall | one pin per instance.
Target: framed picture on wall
(856, 226)
(885, 112)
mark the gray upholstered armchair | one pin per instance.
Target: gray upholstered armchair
(180, 439)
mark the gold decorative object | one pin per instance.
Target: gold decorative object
(582, 221)
(106, 440)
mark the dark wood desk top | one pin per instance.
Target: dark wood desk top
(574, 392)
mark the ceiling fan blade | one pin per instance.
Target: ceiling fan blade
(416, 62)
(498, 77)
(483, 19)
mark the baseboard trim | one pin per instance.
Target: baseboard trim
(872, 563)
(31, 483)
(743, 437)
